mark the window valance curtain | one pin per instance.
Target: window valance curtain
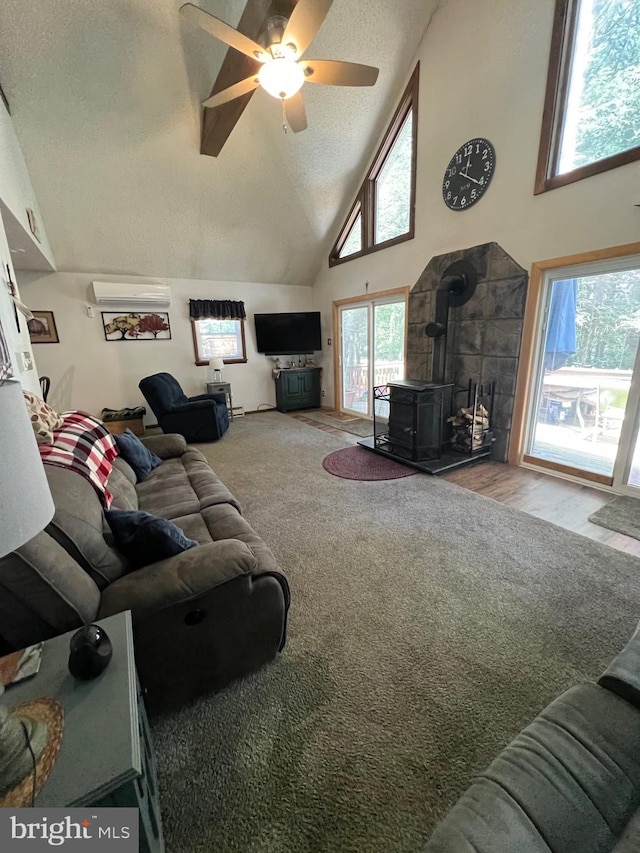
(216, 309)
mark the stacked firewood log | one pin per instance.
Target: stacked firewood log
(470, 428)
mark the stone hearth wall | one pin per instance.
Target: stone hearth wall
(483, 337)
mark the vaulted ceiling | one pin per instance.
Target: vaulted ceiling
(105, 99)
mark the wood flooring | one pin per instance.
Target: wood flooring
(562, 502)
(565, 503)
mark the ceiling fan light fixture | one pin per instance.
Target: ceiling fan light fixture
(281, 78)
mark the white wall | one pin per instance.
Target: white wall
(483, 73)
(90, 373)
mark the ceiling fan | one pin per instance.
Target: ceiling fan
(283, 70)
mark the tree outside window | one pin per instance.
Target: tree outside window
(593, 91)
(353, 243)
(607, 321)
(383, 213)
(393, 187)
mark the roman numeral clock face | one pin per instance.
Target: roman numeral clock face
(469, 173)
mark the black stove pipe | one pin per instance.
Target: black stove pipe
(457, 286)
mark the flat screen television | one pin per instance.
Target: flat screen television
(292, 333)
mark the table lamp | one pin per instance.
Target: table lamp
(215, 369)
(30, 734)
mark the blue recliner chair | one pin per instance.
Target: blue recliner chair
(201, 418)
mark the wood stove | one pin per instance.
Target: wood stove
(418, 412)
(412, 423)
(470, 342)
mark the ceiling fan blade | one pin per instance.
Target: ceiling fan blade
(333, 72)
(305, 21)
(228, 94)
(295, 112)
(222, 31)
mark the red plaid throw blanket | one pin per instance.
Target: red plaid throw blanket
(85, 445)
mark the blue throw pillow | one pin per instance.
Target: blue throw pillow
(133, 451)
(144, 538)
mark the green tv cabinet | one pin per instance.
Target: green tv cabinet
(298, 388)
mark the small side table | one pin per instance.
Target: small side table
(119, 420)
(222, 388)
(106, 756)
(117, 427)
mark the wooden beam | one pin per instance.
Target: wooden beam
(217, 123)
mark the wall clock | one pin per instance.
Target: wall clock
(468, 175)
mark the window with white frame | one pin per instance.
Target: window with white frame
(219, 339)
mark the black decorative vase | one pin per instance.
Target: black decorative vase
(90, 651)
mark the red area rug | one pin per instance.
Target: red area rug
(356, 463)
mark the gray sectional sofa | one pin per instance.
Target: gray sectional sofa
(201, 618)
(568, 783)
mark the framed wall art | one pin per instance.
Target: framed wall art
(136, 326)
(42, 328)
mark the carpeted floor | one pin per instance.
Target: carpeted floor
(428, 625)
(622, 514)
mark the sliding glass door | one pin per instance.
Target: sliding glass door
(372, 349)
(626, 473)
(583, 405)
(354, 358)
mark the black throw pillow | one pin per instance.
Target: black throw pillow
(133, 451)
(145, 538)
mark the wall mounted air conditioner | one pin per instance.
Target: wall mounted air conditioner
(127, 294)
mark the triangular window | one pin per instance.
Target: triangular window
(393, 187)
(353, 243)
(384, 212)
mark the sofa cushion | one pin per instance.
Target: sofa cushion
(181, 486)
(622, 676)
(629, 841)
(43, 592)
(124, 493)
(145, 538)
(78, 526)
(139, 457)
(223, 521)
(125, 469)
(165, 446)
(568, 783)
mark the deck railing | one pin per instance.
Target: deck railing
(356, 378)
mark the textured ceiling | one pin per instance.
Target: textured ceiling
(105, 101)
